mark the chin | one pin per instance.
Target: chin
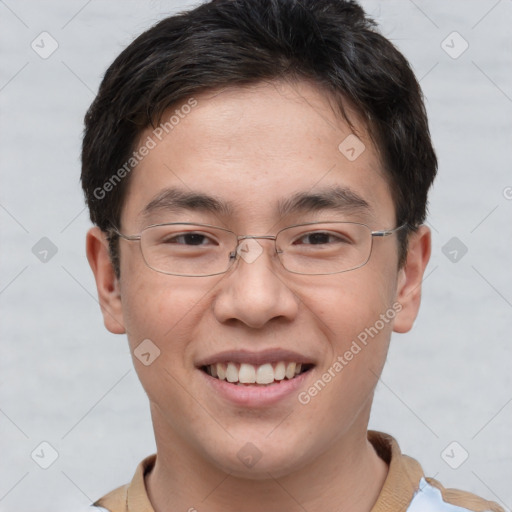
(260, 461)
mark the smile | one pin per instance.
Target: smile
(264, 374)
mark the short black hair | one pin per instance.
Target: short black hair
(225, 43)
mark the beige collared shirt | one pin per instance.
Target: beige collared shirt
(405, 488)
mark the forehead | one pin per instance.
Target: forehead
(258, 149)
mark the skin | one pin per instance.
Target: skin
(253, 147)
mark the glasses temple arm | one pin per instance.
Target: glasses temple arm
(389, 232)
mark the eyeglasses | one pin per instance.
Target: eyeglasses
(201, 250)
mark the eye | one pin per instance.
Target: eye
(322, 238)
(187, 239)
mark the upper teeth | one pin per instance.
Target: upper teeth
(249, 374)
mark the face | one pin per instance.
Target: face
(251, 151)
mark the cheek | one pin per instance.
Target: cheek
(166, 310)
(167, 314)
(355, 314)
(347, 304)
(152, 302)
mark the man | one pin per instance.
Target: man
(258, 175)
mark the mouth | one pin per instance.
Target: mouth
(256, 375)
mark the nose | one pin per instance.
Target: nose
(255, 291)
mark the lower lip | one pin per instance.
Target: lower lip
(256, 395)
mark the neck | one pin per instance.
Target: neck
(348, 477)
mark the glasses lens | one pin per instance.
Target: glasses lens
(187, 249)
(324, 248)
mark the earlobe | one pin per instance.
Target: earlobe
(107, 283)
(410, 279)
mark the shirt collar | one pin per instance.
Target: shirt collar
(403, 476)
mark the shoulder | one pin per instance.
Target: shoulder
(433, 497)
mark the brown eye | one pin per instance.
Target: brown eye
(188, 239)
(322, 238)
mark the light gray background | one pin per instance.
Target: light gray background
(67, 381)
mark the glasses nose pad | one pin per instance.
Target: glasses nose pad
(249, 249)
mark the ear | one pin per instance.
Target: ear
(410, 278)
(107, 283)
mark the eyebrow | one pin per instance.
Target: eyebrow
(175, 200)
(340, 199)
